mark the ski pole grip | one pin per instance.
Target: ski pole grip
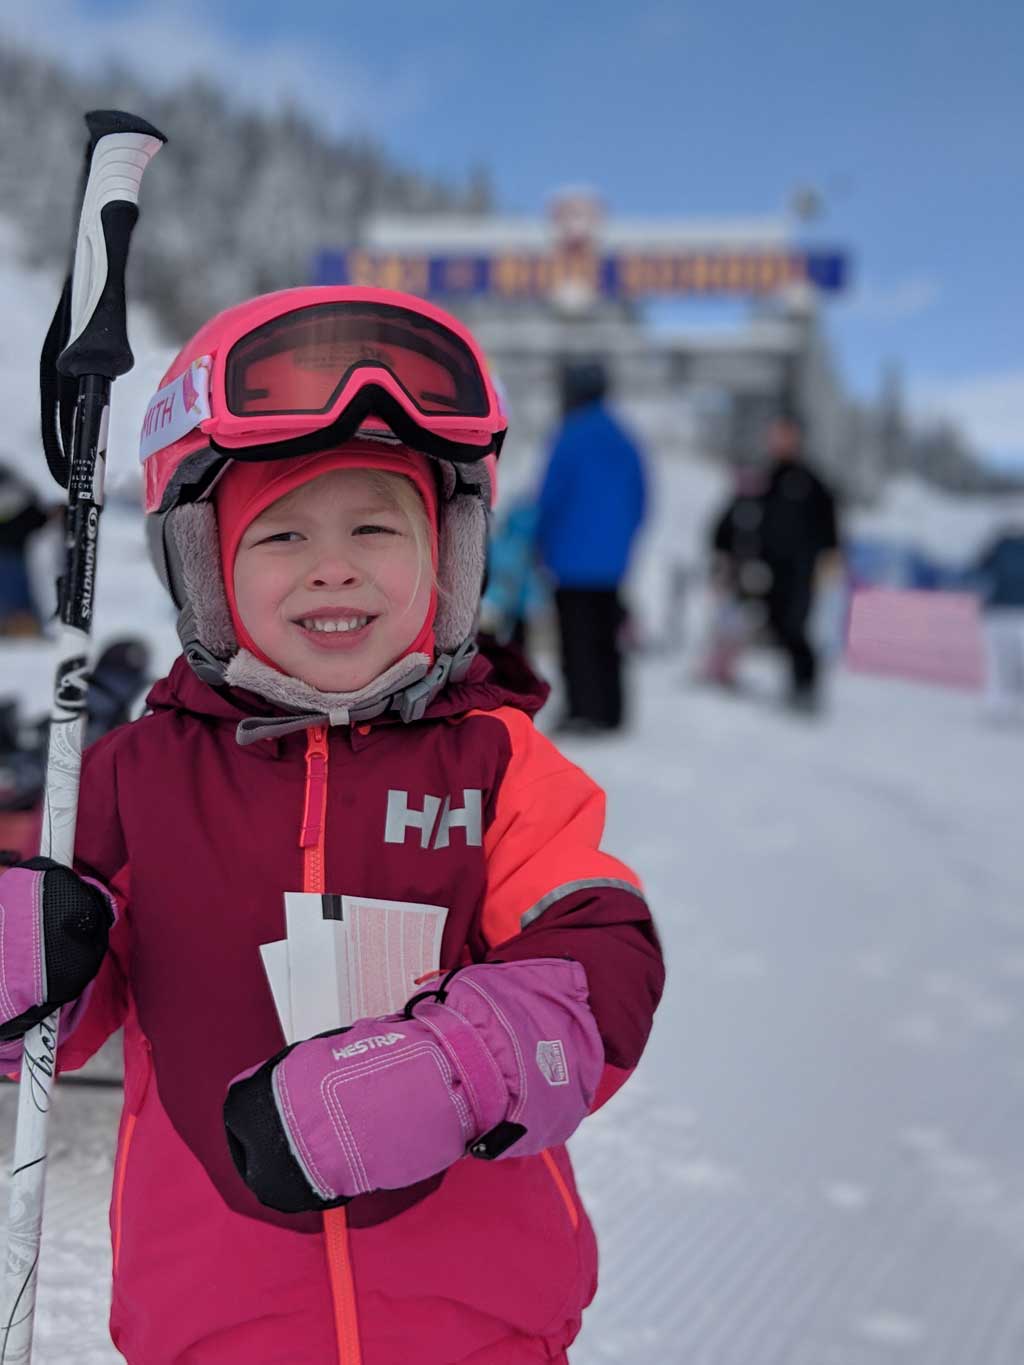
(120, 148)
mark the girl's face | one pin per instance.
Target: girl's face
(330, 582)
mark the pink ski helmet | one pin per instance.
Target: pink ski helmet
(306, 370)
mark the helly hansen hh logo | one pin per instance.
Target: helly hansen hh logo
(435, 822)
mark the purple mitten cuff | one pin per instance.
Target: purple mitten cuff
(538, 1028)
(70, 1017)
(10, 1057)
(22, 959)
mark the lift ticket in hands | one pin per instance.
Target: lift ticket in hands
(347, 958)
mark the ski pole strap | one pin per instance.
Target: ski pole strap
(57, 393)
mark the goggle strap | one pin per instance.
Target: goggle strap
(370, 401)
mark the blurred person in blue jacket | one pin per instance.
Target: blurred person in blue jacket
(22, 514)
(515, 591)
(999, 576)
(592, 504)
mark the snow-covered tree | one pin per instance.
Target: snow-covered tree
(242, 199)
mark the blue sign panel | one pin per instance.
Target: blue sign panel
(626, 275)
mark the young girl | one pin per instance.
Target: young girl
(318, 471)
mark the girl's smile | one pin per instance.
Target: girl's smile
(333, 630)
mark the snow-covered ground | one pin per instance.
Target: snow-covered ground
(819, 1160)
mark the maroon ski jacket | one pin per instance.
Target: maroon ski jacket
(198, 837)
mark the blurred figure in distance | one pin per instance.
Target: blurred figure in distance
(799, 540)
(740, 579)
(1000, 576)
(515, 592)
(22, 514)
(591, 505)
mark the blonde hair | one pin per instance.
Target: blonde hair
(402, 495)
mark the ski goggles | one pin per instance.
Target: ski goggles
(302, 370)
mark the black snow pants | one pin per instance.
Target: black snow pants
(789, 607)
(589, 621)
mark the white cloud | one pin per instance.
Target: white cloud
(167, 41)
(893, 302)
(988, 407)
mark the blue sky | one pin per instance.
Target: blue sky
(907, 117)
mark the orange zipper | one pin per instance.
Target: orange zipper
(562, 1187)
(135, 1095)
(119, 1178)
(339, 1263)
(314, 810)
(311, 841)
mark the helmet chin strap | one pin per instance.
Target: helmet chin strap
(406, 688)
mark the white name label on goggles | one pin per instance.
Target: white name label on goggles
(177, 409)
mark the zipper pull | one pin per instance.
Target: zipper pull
(316, 785)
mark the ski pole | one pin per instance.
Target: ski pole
(86, 348)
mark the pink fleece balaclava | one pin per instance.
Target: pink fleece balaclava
(247, 488)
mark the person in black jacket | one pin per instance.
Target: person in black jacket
(21, 515)
(739, 578)
(798, 528)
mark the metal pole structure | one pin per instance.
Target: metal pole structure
(90, 332)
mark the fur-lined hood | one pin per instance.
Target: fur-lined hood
(496, 677)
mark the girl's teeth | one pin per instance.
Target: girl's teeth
(352, 624)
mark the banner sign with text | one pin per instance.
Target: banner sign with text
(626, 275)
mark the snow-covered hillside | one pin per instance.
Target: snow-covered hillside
(951, 529)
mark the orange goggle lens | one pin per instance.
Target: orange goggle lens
(301, 362)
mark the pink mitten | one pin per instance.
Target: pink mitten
(54, 927)
(500, 1057)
